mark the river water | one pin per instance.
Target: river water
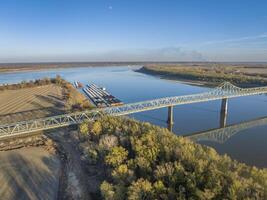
(248, 145)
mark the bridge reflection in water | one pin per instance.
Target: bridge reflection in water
(221, 135)
(223, 115)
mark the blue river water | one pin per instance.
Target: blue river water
(248, 146)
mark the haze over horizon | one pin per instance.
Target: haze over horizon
(118, 30)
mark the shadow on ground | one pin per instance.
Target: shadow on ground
(29, 173)
(56, 108)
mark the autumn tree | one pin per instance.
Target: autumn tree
(140, 190)
(117, 156)
(83, 129)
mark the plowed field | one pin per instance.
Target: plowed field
(30, 103)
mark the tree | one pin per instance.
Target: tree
(107, 191)
(84, 130)
(107, 142)
(96, 128)
(123, 174)
(160, 190)
(58, 80)
(147, 146)
(92, 156)
(140, 190)
(117, 156)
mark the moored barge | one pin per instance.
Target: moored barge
(100, 97)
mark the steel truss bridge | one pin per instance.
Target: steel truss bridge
(223, 91)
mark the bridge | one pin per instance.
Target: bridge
(222, 92)
(221, 135)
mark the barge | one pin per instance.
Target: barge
(100, 97)
(77, 84)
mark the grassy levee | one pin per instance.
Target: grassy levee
(209, 74)
(143, 161)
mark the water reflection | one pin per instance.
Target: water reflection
(221, 135)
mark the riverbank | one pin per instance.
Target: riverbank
(28, 67)
(244, 76)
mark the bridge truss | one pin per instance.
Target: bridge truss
(225, 90)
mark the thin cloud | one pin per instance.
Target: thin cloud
(235, 39)
(160, 54)
(168, 54)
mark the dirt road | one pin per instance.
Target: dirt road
(77, 182)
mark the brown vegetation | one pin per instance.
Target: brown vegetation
(74, 100)
(211, 73)
(14, 67)
(29, 84)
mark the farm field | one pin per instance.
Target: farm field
(29, 103)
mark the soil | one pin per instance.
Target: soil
(78, 180)
(28, 103)
(29, 173)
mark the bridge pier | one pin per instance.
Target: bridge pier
(170, 127)
(170, 118)
(223, 114)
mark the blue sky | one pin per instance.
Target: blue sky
(133, 30)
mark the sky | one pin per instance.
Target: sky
(133, 30)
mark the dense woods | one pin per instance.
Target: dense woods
(143, 161)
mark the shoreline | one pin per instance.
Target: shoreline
(187, 81)
(191, 81)
(31, 66)
(181, 80)
(143, 69)
(21, 70)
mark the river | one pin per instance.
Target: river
(248, 146)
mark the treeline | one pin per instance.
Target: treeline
(143, 161)
(74, 100)
(29, 84)
(213, 76)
